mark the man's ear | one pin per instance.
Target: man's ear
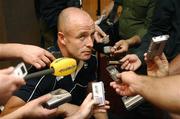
(61, 38)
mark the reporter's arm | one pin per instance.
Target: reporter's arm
(34, 55)
(123, 45)
(15, 102)
(9, 50)
(8, 84)
(101, 115)
(32, 109)
(134, 40)
(163, 92)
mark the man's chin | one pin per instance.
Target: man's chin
(87, 57)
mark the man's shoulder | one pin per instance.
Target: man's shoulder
(36, 87)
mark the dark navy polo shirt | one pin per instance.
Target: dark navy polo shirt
(39, 86)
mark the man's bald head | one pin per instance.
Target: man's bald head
(72, 16)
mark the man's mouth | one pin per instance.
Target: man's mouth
(87, 52)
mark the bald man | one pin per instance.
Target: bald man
(75, 40)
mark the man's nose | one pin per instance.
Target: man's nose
(89, 42)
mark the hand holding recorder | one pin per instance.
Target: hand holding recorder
(156, 46)
(8, 84)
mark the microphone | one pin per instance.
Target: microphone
(59, 67)
(107, 49)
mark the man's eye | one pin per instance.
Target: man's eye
(82, 38)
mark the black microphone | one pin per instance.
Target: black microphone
(39, 73)
(59, 67)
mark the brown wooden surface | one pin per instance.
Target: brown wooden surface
(91, 6)
(18, 23)
(2, 23)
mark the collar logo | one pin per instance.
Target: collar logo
(85, 65)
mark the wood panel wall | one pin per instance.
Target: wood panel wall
(91, 6)
(18, 23)
(2, 23)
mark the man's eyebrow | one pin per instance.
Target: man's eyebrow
(82, 34)
(93, 32)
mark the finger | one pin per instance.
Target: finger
(123, 66)
(123, 87)
(37, 65)
(116, 47)
(45, 60)
(8, 70)
(128, 66)
(163, 57)
(112, 83)
(99, 111)
(50, 111)
(107, 102)
(43, 99)
(118, 75)
(120, 50)
(87, 99)
(145, 56)
(119, 43)
(122, 93)
(131, 68)
(118, 91)
(125, 58)
(41, 63)
(113, 49)
(158, 61)
(105, 107)
(49, 55)
(115, 86)
(15, 84)
(19, 83)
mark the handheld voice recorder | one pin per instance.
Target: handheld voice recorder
(59, 97)
(112, 71)
(98, 92)
(156, 46)
(131, 102)
(20, 70)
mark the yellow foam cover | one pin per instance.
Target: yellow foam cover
(63, 66)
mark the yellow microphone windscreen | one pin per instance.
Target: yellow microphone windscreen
(63, 66)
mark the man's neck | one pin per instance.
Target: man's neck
(66, 54)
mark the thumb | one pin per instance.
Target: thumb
(87, 99)
(7, 70)
(43, 99)
(158, 61)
